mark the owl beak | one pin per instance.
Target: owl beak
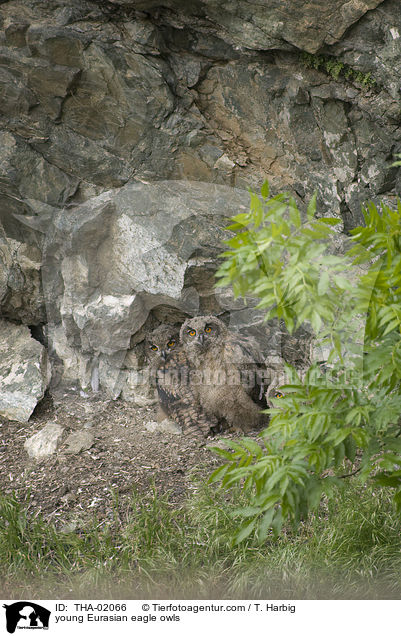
(163, 355)
(201, 338)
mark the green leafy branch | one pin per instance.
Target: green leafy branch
(353, 303)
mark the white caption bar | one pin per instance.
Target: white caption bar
(150, 617)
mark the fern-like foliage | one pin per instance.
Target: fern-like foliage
(347, 418)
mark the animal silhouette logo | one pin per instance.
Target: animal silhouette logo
(26, 615)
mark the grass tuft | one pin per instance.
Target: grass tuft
(350, 549)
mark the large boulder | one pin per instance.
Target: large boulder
(21, 297)
(117, 265)
(24, 372)
(143, 252)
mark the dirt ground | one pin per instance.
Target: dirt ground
(129, 453)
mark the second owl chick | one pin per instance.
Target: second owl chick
(171, 371)
(221, 359)
(159, 343)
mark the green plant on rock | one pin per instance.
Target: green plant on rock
(344, 420)
(335, 68)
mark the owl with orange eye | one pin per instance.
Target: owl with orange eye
(160, 342)
(227, 371)
(170, 370)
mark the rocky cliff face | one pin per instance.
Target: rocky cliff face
(101, 102)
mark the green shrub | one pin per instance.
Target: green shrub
(326, 421)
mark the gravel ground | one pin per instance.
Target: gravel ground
(130, 452)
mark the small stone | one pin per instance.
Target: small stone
(45, 442)
(79, 441)
(165, 426)
(224, 163)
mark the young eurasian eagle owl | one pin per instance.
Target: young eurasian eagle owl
(227, 378)
(170, 370)
(160, 343)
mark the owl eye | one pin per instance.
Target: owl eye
(171, 344)
(191, 332)
(154, 348)
(278, 394)
(208, 329)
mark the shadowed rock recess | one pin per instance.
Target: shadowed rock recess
(130, 130)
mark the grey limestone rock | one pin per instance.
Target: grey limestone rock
(21, 297)
(24, 372)
(94, 98)
(115, 259)
(165, 426)
(130, 131)
(270, 23)
(45, 442)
